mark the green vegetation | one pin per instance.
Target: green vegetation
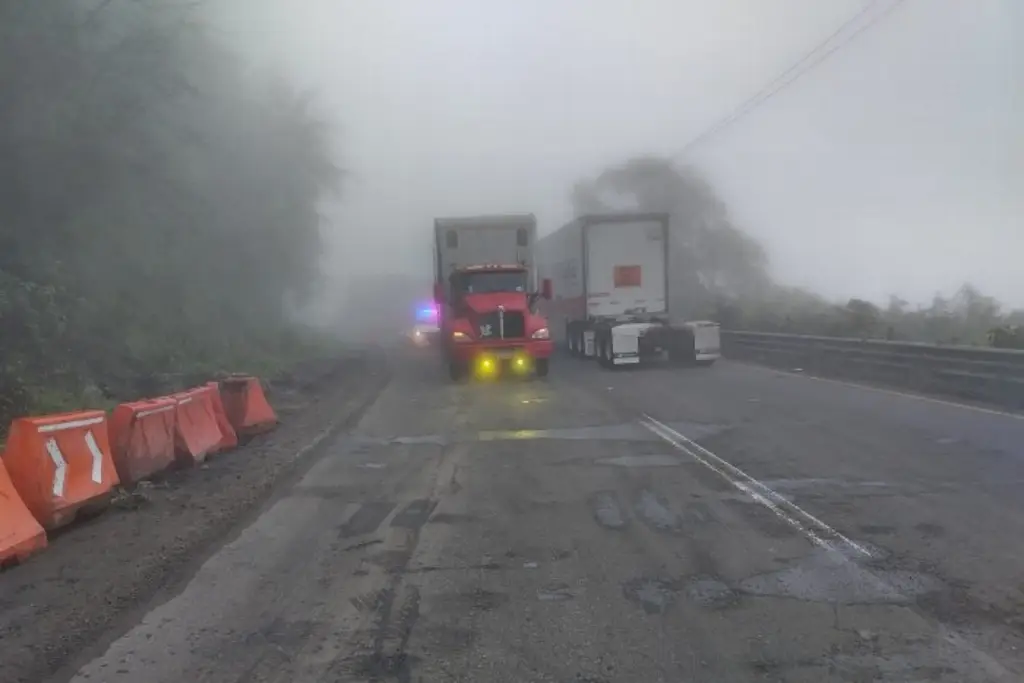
(721, 273)
(158, 206)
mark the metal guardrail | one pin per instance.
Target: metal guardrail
(992, 376)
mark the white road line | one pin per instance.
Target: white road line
(788, 512)
(816, 531)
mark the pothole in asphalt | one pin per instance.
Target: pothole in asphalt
(710, 593)
(656, 512)
(607, 511)
(827, 576)
(655, 596)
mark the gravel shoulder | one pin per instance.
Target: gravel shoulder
(84, 588)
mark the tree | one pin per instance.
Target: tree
(158, 203)
(712, 260)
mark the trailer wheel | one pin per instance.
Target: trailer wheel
(604, 349)
(541, 367)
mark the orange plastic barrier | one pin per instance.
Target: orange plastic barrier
(246, 405)
(60, 464)
(142, 438)
(228, 438)
(20, 533)
(196, 434)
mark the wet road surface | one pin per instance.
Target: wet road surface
(731, 524)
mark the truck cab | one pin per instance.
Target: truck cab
(484, 284)
(489, 323)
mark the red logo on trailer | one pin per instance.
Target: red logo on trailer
(627, 276)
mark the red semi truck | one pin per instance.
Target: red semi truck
(484, 285)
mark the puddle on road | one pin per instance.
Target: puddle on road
(618, 432)
(827, 576)
(626, 431)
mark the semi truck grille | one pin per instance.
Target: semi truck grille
(515, 325)
(489, 325)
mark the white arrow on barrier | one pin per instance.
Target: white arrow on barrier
(60, 464)
(97, 457)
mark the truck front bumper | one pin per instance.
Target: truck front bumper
(506, 349)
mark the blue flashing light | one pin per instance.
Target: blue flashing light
(426, 313)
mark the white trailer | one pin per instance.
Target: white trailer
(609, 275)
(484, 240)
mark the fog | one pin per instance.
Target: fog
(182, 184)
(893, 167)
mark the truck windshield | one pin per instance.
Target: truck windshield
(483, 283)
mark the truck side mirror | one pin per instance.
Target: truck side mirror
(438, 293)
(545, 288)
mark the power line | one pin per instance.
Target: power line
(780, 82)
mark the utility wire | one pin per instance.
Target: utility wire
(809, 62)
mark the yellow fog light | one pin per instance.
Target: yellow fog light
(486, 367)
(521, 364)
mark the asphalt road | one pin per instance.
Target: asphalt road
(731, 523)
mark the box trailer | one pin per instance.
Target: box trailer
(610, 292)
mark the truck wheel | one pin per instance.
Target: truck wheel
(541, 367)
(456, 370)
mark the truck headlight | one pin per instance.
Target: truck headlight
(460, 336)
(542, 333)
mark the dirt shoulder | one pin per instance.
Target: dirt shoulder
(71, 596)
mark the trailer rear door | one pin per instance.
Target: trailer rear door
(625, 267)
(494, 240)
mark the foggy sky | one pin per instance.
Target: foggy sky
(897, 166)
